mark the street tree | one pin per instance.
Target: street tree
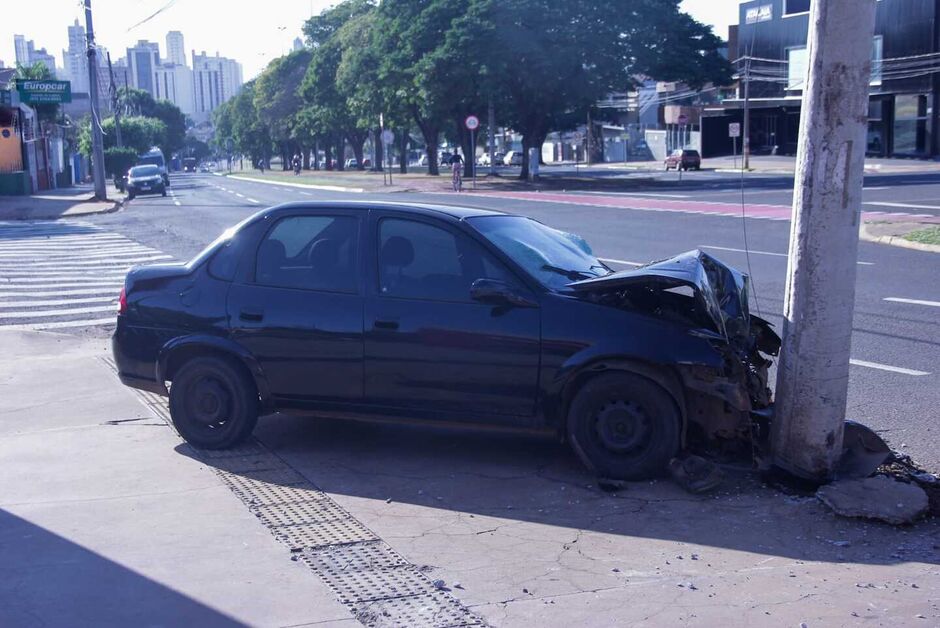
(278, 102)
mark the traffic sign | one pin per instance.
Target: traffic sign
(578, 137)
(473, 123)
(388, 137)
(683, 119)
(734, 129)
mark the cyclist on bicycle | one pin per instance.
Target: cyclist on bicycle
(456, 164)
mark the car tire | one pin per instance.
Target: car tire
(130, 196)
(213, 403)
(667, 167)
(163, 192)
(624, 427)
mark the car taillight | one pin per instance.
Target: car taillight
(122, 302)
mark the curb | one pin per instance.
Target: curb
(897, 241)
(326, 188)
(118, 204)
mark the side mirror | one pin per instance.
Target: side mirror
(496, 292)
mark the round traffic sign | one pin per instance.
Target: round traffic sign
(388, 137)
(473, 123)
(683, 119)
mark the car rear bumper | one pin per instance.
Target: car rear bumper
(135, 356)
(142, 383)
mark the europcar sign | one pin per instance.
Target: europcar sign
(44, 92)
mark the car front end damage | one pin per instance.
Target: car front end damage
(728, 403)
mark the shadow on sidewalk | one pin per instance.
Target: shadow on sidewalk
(537, 480)
(47, 580)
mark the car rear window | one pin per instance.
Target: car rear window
(310, 253)
(144, 171)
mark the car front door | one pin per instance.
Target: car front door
(298, 306)
(428, 344)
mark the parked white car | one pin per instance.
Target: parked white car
(513, 158)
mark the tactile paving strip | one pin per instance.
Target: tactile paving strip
(380, 588)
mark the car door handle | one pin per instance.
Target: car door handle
(251, 315)
(386, 324)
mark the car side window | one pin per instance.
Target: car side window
(310, 253)
(421, 261)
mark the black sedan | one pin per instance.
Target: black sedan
(145, 180)
(443, 314)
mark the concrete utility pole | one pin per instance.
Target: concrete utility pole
(813, 374)
(97, 141)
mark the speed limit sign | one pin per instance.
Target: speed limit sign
(473, 123)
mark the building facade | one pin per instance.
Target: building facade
(142, 62)
(175, 83)
(905, 91)
(215, 80)
(20, 50)
(75, 59)
(175, 50)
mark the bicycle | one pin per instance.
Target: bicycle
(457, 177)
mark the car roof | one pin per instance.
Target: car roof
(456, 212)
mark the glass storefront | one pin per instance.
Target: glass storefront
(876, 128)
(911, 136)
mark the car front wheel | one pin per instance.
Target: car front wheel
(624, 427)
(213, 403)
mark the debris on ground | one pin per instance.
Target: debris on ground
(610, 485)
(903, 468)
(863, 451)
(695, 474)
(440, 585)
(880, 498)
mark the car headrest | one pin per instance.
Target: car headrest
(272, 252)
(324, 253)
(397, 251)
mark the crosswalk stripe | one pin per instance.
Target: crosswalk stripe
(64, 275)
(96, 322)
(57, 312)
(6, 305)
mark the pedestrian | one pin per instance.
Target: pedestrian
(296, 163)
(456, 164)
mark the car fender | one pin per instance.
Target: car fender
(573, 376)
(214, 344)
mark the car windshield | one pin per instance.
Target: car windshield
(144, 171)
(553, 257)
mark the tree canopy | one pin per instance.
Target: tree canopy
(427, 64)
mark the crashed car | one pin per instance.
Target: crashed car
(448, 315)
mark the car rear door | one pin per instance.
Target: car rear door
(428, 345)
(298, 306)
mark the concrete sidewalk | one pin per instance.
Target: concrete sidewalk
(61, 203)
(104, 523)
(107, 519)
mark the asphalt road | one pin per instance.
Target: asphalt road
(896, 344)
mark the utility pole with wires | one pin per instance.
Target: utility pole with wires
(115, 106)
(813, 373)
(97, 141)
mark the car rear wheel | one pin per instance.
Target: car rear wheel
(130, 195)
(213, 403)
(163, 192)
(624, 427)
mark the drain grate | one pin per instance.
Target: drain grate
(377, 584)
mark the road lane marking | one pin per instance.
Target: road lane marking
(876, 189)
(112, 289)
(889, 368)
(239, 195)
(752, 252)
(913, 301)
(619, 261)
(177, 203)
(901, 205)
(116, 284)
(100, 263)
(251, 200)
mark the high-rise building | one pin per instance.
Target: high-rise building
(41, 56)
(75, 59)
(215, 80)
(175, 51)
(175, 83)
(142, 61)
(298, 44)
(21, 50)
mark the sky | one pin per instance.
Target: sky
(233, 28)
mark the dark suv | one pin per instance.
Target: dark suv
(684, 159)
(145, 180)
(444, 314)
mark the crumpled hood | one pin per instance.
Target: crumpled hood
(721, 290)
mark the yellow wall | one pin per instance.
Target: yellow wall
(11, 158)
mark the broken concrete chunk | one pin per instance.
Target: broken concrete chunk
(880, 498)
(695, 474)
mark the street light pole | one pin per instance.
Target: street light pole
(813, 374)
(746, 143)
(97, 141)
